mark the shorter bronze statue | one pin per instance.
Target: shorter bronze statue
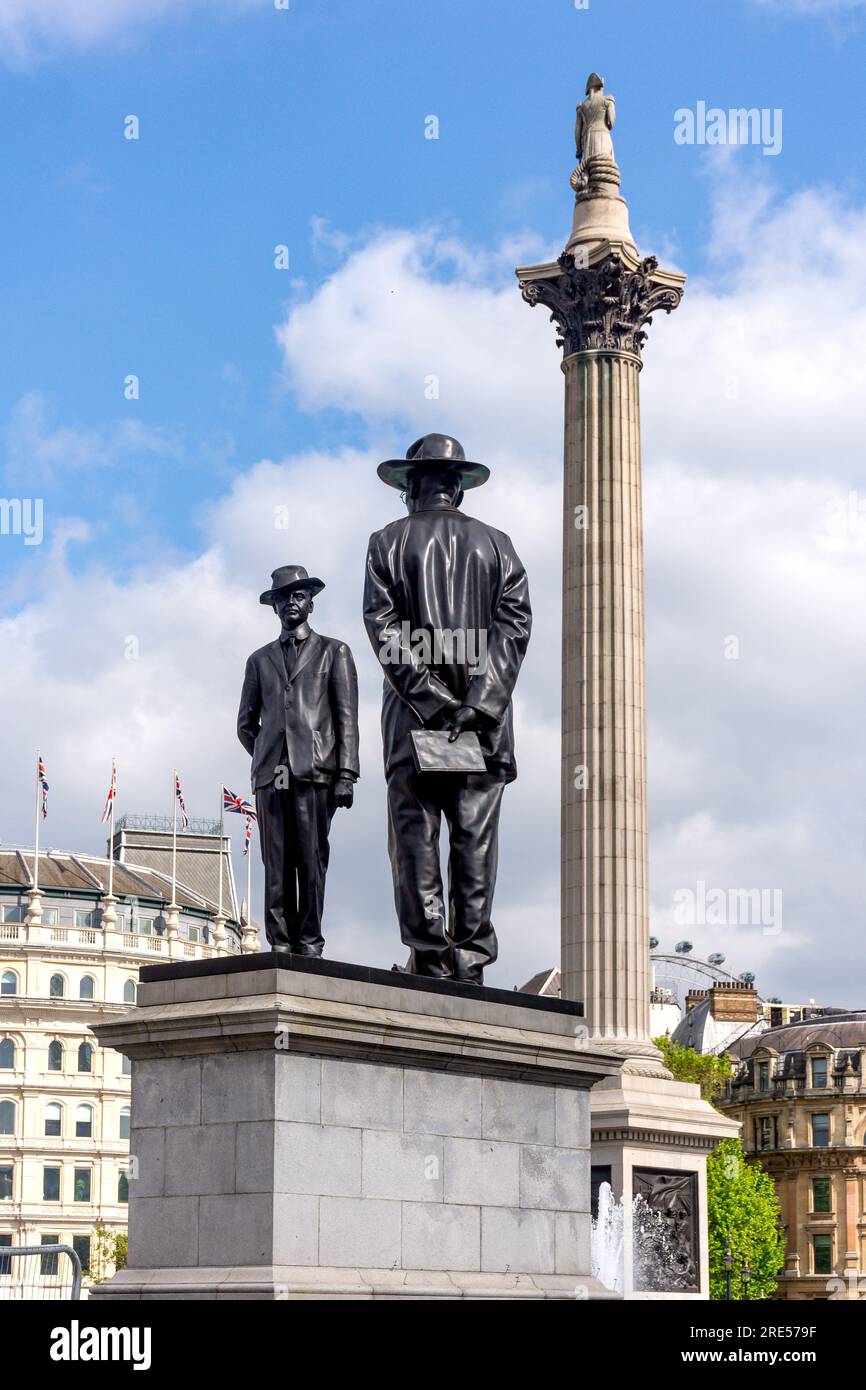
(446, 606)
(298, 720)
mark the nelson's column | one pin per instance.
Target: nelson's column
(650, 1134)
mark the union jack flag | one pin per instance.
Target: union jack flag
(237, 804)
(112, 792)
(248, 833)
(184, 819)
(43, 782)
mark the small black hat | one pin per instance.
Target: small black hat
(289, 577)
(433, 453)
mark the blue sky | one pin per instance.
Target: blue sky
(263, 388)
(156, 256)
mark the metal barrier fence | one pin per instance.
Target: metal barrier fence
(34, 1272)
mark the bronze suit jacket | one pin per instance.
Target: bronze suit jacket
(310, 717)
(442, 572)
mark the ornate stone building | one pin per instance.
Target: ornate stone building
(799, 1093)
(64, 1101)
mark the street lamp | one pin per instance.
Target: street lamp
(745, 1275)
(729, 1265)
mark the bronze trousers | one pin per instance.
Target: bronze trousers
(470, 804)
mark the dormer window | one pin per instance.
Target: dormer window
(763, 1076)
(819, 1071)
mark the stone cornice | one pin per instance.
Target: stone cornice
(330, 1027)
(667, 1139)
(602, 301)
(789, 1160)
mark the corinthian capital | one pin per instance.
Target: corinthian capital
(605, 305)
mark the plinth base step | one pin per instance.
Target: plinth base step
(284, 1282)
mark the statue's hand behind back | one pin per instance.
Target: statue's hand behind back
(465, 718)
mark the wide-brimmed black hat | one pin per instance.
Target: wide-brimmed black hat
(289, 577)
(433, 453)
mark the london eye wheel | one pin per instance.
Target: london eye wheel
(679, 971)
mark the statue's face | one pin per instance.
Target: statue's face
(293, 608)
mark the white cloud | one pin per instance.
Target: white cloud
(37, 450)
(31, 32)
(756, 765)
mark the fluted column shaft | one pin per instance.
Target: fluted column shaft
(605, 904)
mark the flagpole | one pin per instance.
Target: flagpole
(173, 837)
(111, 833)
(250, 880)
(220, 860)
(38, 810)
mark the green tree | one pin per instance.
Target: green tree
(743, 1208)
(108, 1253)
(741, 1197)
(710, 1072)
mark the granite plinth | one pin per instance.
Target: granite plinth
(304, 1133)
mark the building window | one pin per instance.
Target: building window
(822, 1254)
(13, 912)
(84, 1122)
(123, 1186)
(6, 1174)
(820, 1131)
(87, 988)
(85, 1057)
(7, 1117)
(5, 1261)
(126, 1069)
(8, 982)
(51, 1184)
(144, 925)
(81, 1246)
(55, 1056)
(192, 933)
(53, 1120)
(766, 1132)
(82, 1184)
(129, 992)
(821, 1194)
(763, 1076)
(57, 987)
(50, 917)
(84, 918)
(819, 1071)
(48, 1263)
(124, 1122)
(7, 1055)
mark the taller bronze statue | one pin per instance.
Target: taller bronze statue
(298, 720)
(446, 606)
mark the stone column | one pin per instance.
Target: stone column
(605, 957)
(601, 295)
(651, 1133)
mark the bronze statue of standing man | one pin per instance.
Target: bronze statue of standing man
(298, 719)
(446, 606)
